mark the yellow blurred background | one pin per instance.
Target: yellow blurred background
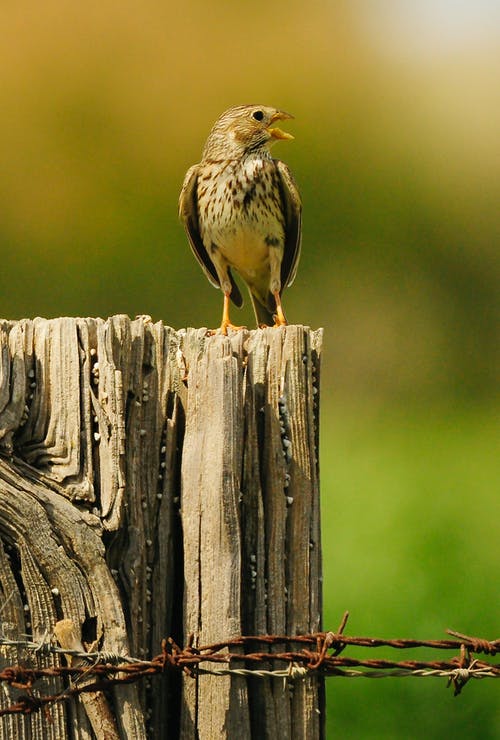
(104, 105)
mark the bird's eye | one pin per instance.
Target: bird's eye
(258, 115)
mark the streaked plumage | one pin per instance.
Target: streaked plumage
(242, 211)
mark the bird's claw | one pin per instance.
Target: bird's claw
(224, 327)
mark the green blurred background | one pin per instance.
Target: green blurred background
(397, 155)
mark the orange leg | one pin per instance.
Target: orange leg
(279, 319)
(226, 322)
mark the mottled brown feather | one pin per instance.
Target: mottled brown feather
(293, 224)
(188, 213)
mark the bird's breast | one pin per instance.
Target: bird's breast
(239, 196)
(240, 212)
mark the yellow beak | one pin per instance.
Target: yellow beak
(277, 133)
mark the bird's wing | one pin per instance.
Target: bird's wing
(293, 224)
(188, 213)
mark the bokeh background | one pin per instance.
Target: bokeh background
(105, 104)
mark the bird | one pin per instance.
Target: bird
(242, 212)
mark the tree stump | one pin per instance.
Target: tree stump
(159, 483)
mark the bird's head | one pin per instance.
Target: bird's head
(244, 129)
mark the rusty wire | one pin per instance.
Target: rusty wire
(314, 654)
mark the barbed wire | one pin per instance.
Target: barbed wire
(315, 654)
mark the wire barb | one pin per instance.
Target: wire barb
(307, 655)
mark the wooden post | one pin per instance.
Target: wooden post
(158, 483)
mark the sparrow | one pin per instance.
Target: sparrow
(242, 212)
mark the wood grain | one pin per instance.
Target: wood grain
(157, 482)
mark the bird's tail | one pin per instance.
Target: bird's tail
(263, 314)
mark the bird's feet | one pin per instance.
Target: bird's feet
(223, 329)
(227, 325)
(279, 316)
(276, 325)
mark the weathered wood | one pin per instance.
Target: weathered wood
(96, 705)
(157, 483)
